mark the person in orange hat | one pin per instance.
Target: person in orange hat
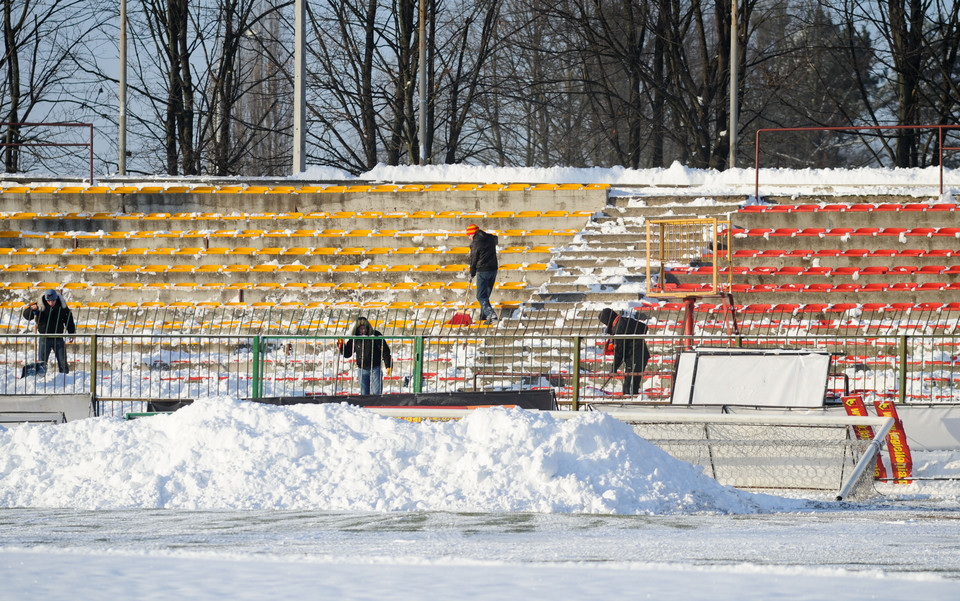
(483, 266)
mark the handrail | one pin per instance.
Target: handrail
(940, 146)
(45, 144)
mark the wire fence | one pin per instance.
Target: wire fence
(124, 372)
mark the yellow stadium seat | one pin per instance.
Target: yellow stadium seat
(263, 268)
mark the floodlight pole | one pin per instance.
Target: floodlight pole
(299, 98)
(122, 118)
(734, 87)
(423, 84)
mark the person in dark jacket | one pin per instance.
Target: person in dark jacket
(372, 351)
(633, 353)
(52, 317)
(483, 266)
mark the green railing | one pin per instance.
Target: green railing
(131, 371)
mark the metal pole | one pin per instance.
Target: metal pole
(122, 137)
(575, 400)
(299, 99)
(734, 87)
(422, 68)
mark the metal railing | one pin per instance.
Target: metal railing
(938, 128)
(130, 372)
(88, 145)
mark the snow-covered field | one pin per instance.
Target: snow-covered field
(232, 500)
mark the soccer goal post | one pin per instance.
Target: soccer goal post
(769, 452)
(772, 452)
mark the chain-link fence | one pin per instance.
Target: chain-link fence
(132, 370)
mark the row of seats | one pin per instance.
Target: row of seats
(286, 233)
(264, 286)
(275, 251)
(795, 270)
(265, 268)
(856, 208)
(288, 305)
(792, 232)
(697, 288)
(300, 216)
(297, 189)
(793, 308)
(855, 253)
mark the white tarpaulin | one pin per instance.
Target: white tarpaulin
(766, 378)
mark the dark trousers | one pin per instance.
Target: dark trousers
(632, 379)
(485, 282)
(59, 348)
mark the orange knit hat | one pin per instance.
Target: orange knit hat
(472, 229)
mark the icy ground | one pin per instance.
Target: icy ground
(232, 500)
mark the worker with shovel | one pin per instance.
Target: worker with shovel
(632, 352)
(483, 266)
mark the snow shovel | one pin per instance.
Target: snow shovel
(462, 318)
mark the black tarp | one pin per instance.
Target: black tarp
(525, 399)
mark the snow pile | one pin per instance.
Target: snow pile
(221, 453)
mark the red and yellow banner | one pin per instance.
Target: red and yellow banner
(855, 407)
(900, 458)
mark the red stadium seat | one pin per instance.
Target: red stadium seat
(847, 288)
(785, 231)
(842, 307)
(902, 269)
(839, 231)
(855, 252)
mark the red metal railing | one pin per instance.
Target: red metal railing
(62, 144)
(938, 128)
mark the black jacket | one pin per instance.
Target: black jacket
(483, 253)
(634, 354)
(371, 352)
(55, 319)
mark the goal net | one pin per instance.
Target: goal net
(772, 452)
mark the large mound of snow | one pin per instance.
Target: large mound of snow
(222, 453)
